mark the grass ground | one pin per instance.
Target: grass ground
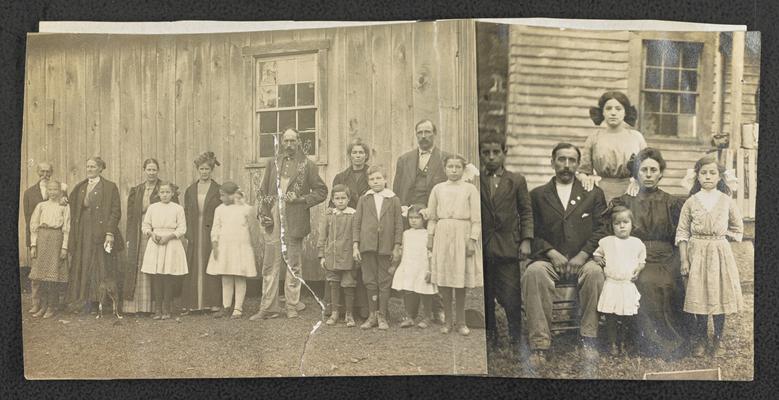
(198, 346)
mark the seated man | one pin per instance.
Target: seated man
(567, 227)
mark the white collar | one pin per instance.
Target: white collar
(421, 152)
(94, 180)
(386, 193)
(42, 184)
(347, 211)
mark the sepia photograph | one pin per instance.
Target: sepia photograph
(618, 193)
(252, 204)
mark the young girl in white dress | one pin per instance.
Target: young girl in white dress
(412, 276)
(165, 258)
(708, 219)
(454, 229)
(232, 256)
(623, 257)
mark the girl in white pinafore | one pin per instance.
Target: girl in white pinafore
(232, 256)
(165, 258)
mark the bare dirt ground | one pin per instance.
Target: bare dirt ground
(198, 346)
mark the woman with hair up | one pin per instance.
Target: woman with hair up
(655, 215)
(201, 291)
(137, 291)
(94, 237)
(605, 153)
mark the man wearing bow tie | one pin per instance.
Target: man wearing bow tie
(416, 172)
(567, 227)
(301, 188)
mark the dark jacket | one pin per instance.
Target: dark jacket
(108, 217)
(358, 187)
(32, 196)
(379, 233)
(577, 228)
(307, 185)
(507, 216)
(406, 172)
(133, 233)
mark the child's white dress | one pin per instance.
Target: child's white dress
(620, 295)
(713, 286)
(169, 258)
(231, 231)
(413, 267)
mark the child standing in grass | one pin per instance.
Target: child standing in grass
(623, 257)
(334, 247)
(454, 230)
(377, 235)
(165, 258)
(413, 274)
(232, 255)
(49, 231)
(708, 218)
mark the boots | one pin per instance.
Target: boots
(383, 325)
(371, 322)
(349, 320)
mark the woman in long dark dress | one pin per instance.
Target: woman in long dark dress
(356, 179)
(137, 290)
(200, 290)
(655, 216)
(95, 211)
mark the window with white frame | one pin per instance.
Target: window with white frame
(286, 96)
(670, 89)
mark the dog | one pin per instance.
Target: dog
(108, 289)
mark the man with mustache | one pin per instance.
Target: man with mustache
(567, 227)
(302, 188)
(416, 172)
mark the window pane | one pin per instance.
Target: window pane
(670, 103)
(307, 119)
(268, 73)
(268, 122)
(267, 97)
(287, 120)
(672, 55)
(653, 53)
(652, 78)
(287, 95)
(307, 68)
(266, 146)
(691, 54)
(689, 81)
(306, 94)
(652, 102)
(651, 124)
(668, 125)
(308, 142)
(671, 79)
(687, 104)
(286, 71)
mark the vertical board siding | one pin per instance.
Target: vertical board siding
(172, 97)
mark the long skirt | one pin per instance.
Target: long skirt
(613, 187)
(713, 286)
(450, 265)
(142, 296)
(89, 262)
(47, 266)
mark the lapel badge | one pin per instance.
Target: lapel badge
(573, 202)
(578, 198)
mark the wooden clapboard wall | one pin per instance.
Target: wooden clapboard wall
(555, 76)
(128, 98)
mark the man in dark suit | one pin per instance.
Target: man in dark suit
(302, 189)
(567, 222)
(32, 196)
(507, 234)
(416, 172)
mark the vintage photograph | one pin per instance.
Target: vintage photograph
(252, 204)
(618, 195)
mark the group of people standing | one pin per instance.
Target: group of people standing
(201, 252)
(655, 265)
